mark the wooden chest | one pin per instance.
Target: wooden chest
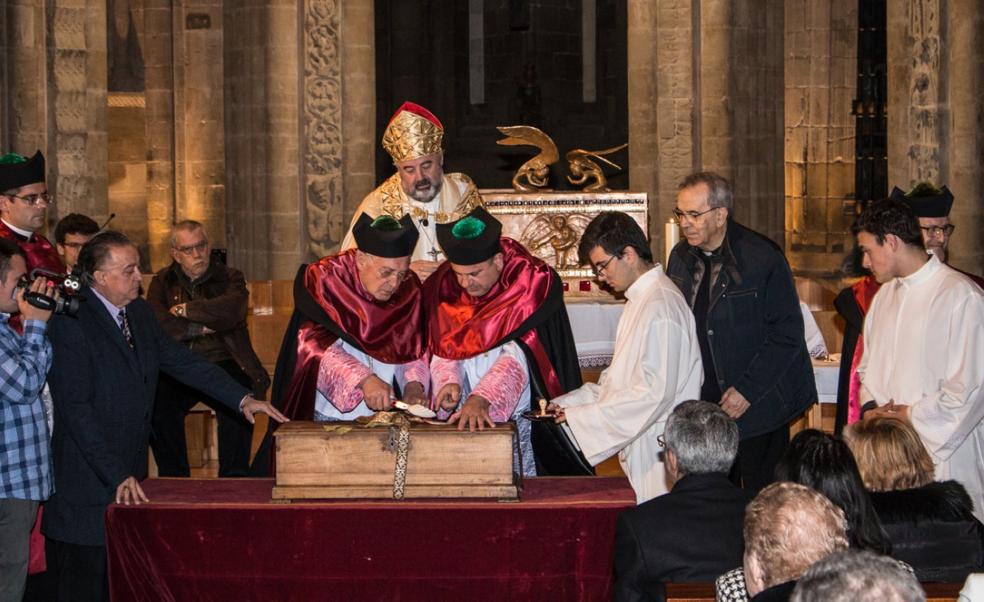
(350, 460)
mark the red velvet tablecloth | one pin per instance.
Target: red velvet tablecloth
(208, 539)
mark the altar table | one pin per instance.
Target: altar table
(223, 539)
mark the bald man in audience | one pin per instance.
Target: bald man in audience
(788, 527)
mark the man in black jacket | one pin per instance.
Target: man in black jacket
(202, 303)
(749, 324)
(694, 532)
(103, 376)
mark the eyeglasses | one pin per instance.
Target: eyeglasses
(198, 247)
(35, 199)
(387, 274)
(939, 230)
(601, 267)
(73, 245)
(691, 215)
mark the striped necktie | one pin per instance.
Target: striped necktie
(125, 327)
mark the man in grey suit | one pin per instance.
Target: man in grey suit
(694, 532)
(102, 380)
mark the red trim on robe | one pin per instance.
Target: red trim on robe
(461, 326)
(864, 292)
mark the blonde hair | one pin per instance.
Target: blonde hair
(788, 527)
(889, 453)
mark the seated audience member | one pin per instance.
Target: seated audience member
(856, 575)
(73, 231)
(694, 532)
(931, 524)
(501, 340)
(788, 527)
(823, 463)
(656, 363)
(25, 453)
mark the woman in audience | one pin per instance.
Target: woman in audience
(825, 464)
(931, 524)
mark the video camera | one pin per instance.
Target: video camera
(68, 302)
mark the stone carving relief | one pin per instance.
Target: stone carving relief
(924, 91)
(322, 117)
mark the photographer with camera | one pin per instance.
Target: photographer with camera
(24, 362)
(103, 378)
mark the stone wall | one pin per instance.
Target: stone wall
(820, 82)
(936, 110)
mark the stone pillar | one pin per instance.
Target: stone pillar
(705, 92)
(198, 117)
(25, 83)
(159, 123)
(77, 106)
(935, 75)
(820, 82)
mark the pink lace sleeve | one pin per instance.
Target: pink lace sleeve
(418, 371)
(339, 376)
(442, 372)
(501, 386)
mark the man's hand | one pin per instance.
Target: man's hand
(447, 398)
(251, 406)
(423, 269)
(560, 417)
(28, 311)
(898, 411)
(377, 394)
(734, 403)
(475, 412)
(414, 393)
(179, 311)
(129, 491)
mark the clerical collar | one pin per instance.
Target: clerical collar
(922, 274)
(27, 234)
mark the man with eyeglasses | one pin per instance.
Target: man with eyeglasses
(202, 303)
(501, 340)
(932, 206)
(73, 231)
(24, 202)
(656, 363)
(355, 343)
(749, 324)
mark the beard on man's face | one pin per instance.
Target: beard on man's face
(424, 190)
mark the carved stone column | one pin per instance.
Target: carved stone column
(77, 103)
(935, 78)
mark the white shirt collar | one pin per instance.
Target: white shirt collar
(922, 274)
(25, 233)
(112, 308)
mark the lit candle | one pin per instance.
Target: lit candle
(671, 236)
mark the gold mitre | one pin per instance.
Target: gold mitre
(413, 132)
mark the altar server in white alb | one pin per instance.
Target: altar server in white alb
(656, 364)
(924, 345)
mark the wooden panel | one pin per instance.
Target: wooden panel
(348, 460)
(503, 492)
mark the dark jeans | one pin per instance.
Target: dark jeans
(79, 571)
(17, 517)
(755, 466)
(167, 437)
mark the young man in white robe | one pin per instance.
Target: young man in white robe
(924, 345)
(656, 364)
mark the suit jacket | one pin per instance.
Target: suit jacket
(103, 394)
(691, 534)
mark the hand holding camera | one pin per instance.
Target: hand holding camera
(30, 311)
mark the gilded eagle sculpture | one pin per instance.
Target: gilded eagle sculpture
(582, 168)
(536, 171)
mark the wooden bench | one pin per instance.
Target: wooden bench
(704, 592)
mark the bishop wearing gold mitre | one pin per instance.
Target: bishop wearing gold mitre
(419, 188)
